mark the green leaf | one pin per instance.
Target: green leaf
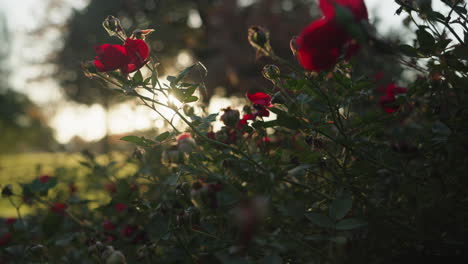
(172, 180)
(425, 39)
(138, 77)
(408, 50)
(140, 141)
(340, 207)
(163, 136)
(350, 224)
(320, 220)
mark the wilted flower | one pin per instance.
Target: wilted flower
(230, 117)
(259, 38)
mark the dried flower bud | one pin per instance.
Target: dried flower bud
(89, 69)
(112, 25)
(293, 45)
(230, 117)
(259, 38)
(271, 72)
(141, 33)
(7, 191)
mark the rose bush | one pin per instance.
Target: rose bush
(352, 168)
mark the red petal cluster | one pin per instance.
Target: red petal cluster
(120, 207)
(323, 42)
(388, 99)
(59, 208)
(357, 7)
(129, 57)
(261, 102)
(44, 178)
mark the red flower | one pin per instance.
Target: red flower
(128, 57)
(44, 178)
(5, 238)
(357, 8)
(120, 207)
(59, 208)
(108, 226)
(260, 99)
(323, 42)
(128, 230)
(320, 45)
(10, 220)
(137, 53)
(244, 119)
(388, 99)
(184, 136)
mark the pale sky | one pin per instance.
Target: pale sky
(70, 119)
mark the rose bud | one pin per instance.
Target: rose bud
(248, 217)
(185, 143)
(116, 257)
(259, 38)
(7, 191)
(230, 117)
(271, 72)
(113, 27)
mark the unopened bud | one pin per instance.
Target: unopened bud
(116, 257)
(271, 72)
(113, 27)
(185, 143)
(7, 191)
(259, 38)
(230, 117)
(293, 45)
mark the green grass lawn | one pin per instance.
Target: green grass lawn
(21, 168)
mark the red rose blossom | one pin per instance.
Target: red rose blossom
(324, 41)
(120, 207)
(59, 208)
(357, 8)
(108, 225)
(10, 220)
(44, 178)
(5, 238)
(388, 99)
(320, 45)
(128, 57)
(128, 230)
(260, 99)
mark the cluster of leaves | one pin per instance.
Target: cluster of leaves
(333, 179)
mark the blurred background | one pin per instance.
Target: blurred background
(49, 110)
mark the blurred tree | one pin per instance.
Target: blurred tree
(22, 125)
